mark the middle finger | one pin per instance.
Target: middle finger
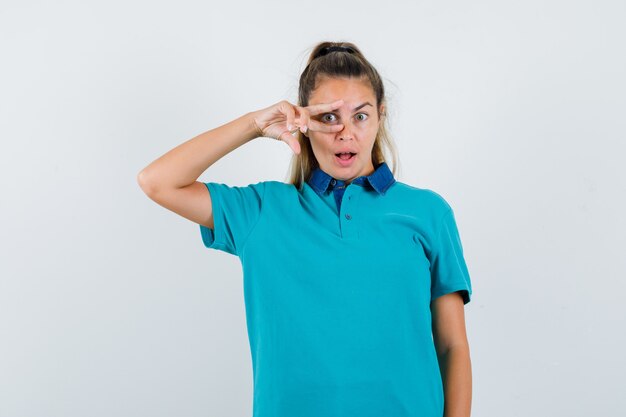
(315, 109)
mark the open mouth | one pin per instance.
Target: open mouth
(345, 159)
(345, 156)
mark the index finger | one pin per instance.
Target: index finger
(323, 107)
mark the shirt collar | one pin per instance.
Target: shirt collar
(380, 180)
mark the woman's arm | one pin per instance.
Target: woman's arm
(170, 180)
(453, 352)
(182, 165)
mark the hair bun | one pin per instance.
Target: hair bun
(329, 49)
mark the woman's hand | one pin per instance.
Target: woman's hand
(282, 120)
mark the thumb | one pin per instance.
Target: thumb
(291, 141)
(293, 144)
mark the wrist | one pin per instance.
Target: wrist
(252, 131)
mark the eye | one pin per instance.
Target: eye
(362, 114)
(324, 119)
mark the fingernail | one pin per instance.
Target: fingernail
(290, 127)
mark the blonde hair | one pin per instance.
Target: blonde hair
(326, 62)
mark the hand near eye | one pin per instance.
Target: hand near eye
(279, 119)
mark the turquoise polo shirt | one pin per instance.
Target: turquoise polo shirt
(338, 280)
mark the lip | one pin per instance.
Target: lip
(343, 163)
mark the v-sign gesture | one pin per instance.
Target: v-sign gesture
(283, 117)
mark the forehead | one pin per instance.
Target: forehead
(349, 89)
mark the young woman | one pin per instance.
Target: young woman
(354, 283)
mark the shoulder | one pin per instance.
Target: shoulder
(260, 185)
(261, 188)
(277, 191)
(279, 187)
(424, 198)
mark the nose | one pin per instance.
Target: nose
(346, 133)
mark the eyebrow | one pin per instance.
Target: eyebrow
(362, 105)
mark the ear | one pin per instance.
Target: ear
(382, 111)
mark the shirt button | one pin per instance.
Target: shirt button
(348, 216)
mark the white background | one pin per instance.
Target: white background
(110, 305)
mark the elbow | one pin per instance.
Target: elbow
(146, 185)
(461, 346)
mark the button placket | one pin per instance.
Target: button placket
(348, 226)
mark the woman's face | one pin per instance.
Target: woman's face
(360, 122)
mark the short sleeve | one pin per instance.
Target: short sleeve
(448, 268)
(236, 210)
